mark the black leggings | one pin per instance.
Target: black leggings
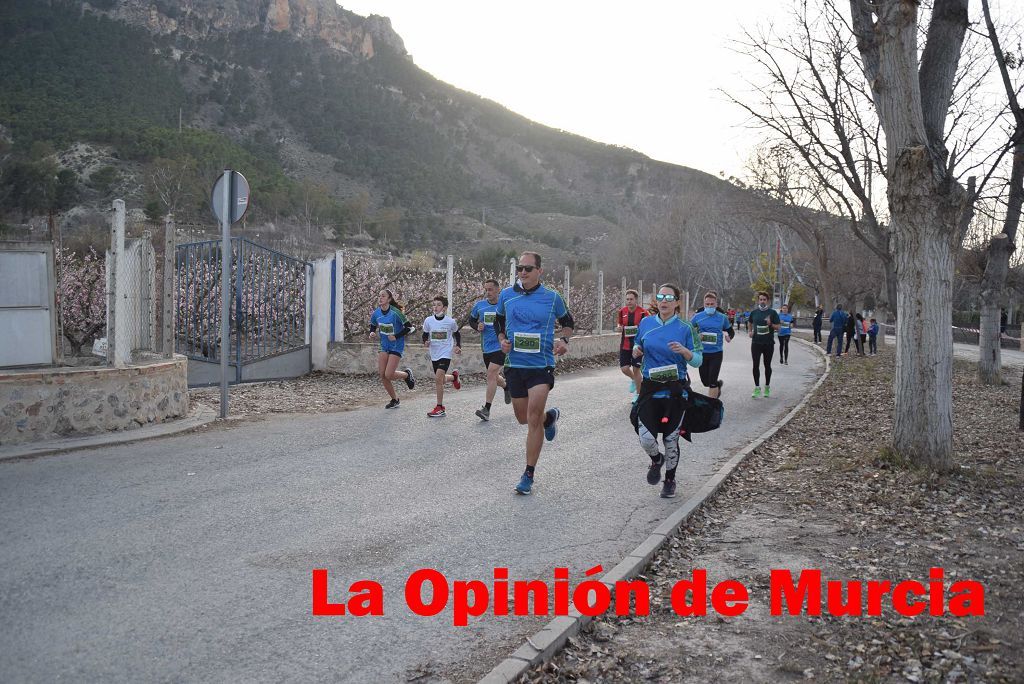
(783, 349)
(756, 352)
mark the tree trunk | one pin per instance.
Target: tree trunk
(989, 349)
(925, 210)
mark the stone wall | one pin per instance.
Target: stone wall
(70, 402)
(351, 358)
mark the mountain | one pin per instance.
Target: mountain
(339, 132)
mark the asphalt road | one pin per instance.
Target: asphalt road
(189, 558)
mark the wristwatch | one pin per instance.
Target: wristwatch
(564, 339)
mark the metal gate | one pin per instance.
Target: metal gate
(269, 312)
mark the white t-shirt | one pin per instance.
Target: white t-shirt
(441, 334)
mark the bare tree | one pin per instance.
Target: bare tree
(816, 103)
(912, 98)
(1001, 247)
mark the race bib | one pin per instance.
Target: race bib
(439, 335)
(762, 329)
(630, 330)
(784, 329)
(527, 343)
(665, 373)
(489, 317)
(387, 328)
(709, 338)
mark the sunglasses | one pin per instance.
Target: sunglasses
(527, 269)
(665, 297)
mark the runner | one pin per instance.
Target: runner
(785, 331)
(441, 335)
(667, 345)
(481, 318)
(763, 324)
(710, 324)
(628, 322)
(391, 326)
(525, 324)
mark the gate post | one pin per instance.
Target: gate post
(339, 295)
(167, 320)
(600, 302)
(239, 321)
(115, 355)
(451, 280)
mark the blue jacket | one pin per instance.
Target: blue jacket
(838, 319)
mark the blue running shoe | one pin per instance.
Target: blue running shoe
(632, 386)
(525, 484)
(551, 430)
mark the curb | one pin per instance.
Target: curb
(543, 645)
(203, 416)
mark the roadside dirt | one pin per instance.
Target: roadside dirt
(824, 493)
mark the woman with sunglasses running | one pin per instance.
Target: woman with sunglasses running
(668, 345)
(391, 326)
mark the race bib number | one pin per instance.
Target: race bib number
(709, 338)
(784, 329)
(527, 343)
(762, 329)
(630, 330)
(665, 373)
(439, 335)
(489, 317)
(387, 328)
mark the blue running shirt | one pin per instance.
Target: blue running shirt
(390, 323)
(530, 319)
(786, 325)
(709, 328)
(661, 363)
(483, 312)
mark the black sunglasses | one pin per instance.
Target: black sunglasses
(528, 269)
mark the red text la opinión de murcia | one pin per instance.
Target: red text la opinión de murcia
(428, 592)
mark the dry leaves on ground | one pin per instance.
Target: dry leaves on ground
(825, 493)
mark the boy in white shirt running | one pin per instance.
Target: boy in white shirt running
(441, 335)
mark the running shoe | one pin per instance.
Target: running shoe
(756, 394)
(632, 386)
(483, 413)
(508, 395)
(436, 412)
(391, 404)
(721, 384)
(668, 490)
(551, 430)
(636, 397)
(767, 392)
(410, 381)
(525, 484)
(456, 383)
(654, 472)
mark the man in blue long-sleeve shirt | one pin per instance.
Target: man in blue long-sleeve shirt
(838, 320)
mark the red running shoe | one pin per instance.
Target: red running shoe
(437, 412)
(456, 383)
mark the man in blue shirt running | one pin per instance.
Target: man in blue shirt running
(525, 325)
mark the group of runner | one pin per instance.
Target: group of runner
(520, 343)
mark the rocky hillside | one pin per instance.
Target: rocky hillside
(342, 136)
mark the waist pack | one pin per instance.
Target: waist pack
(703, 414)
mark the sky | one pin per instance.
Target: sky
(646, 77)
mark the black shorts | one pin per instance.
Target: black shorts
(520, 380)
(497, 357)
(392, 353)
(626, 359)
(442, 364)
(709, 368)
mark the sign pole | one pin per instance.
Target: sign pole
(225, 288)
